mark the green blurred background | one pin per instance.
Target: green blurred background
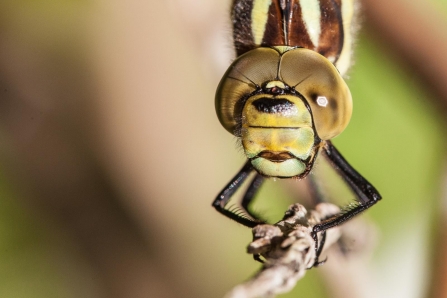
(111, 154)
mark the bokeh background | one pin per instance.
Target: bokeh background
(111, 153)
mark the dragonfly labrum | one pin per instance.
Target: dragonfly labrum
(284, 96)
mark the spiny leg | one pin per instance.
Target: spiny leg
(318, 250)
(225, 195)
(250, 194)
(317, 197)
(366, 194)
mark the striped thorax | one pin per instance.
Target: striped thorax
(324, 26)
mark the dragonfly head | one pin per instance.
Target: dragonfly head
(283, 103)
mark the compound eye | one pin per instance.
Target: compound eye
(244, 76)
(327, 94)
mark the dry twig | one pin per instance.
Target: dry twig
(288, 250)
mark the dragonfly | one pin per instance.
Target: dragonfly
(284, 98)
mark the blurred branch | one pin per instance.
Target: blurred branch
(288, 249)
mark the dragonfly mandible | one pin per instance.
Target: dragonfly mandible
(285, 99)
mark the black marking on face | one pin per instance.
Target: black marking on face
(273, 105)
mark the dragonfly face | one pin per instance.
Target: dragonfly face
(283, 102)
(285, 98)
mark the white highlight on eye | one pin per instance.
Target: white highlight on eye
(259, 18)
(322, 101)
(311, 14)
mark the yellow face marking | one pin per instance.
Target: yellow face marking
(298, 141)
(311, 14)
(278, 84)
(297, 116)
(288, 168)
(259, 18)
(288, 130)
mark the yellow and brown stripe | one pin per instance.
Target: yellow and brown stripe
(323, 26)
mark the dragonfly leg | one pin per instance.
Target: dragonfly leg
(225, 195)
(366, 194)
(318, 250)
(250, 194)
